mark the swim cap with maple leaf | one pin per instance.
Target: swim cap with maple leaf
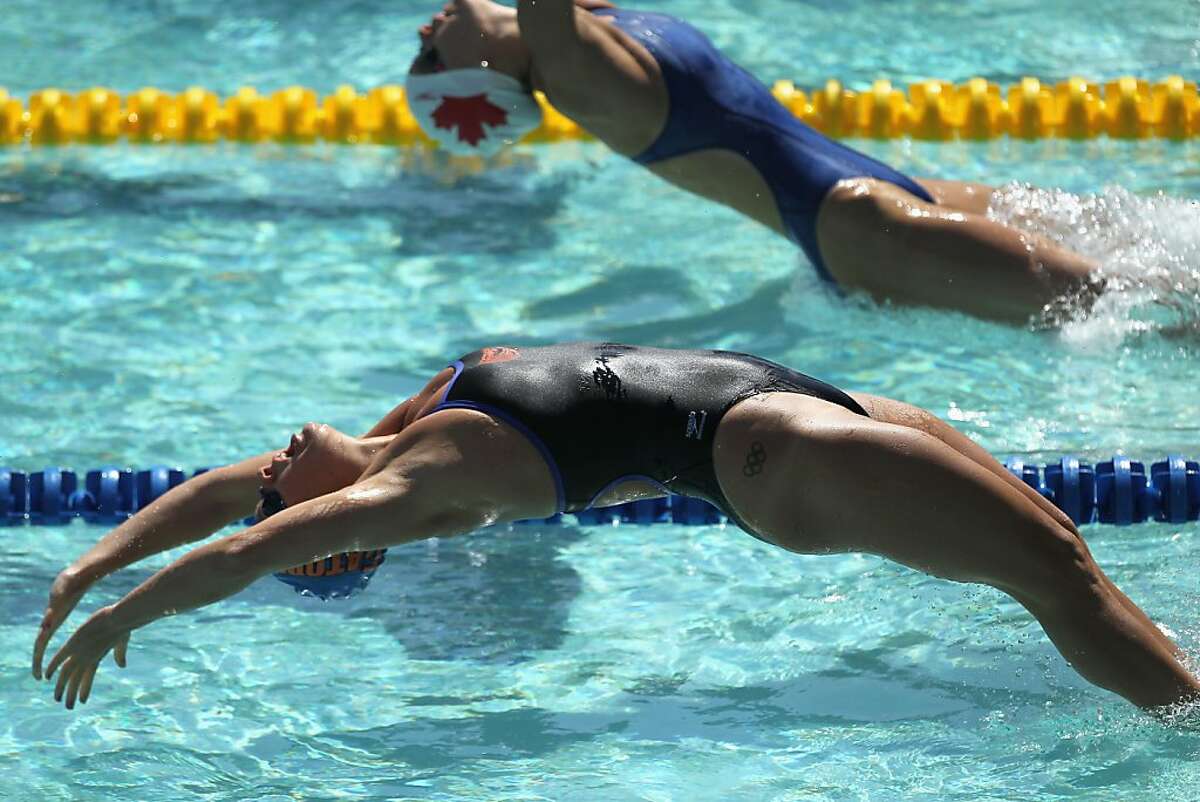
(469, 114)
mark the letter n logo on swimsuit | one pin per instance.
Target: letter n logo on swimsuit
(695, 426)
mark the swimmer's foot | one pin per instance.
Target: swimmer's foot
(1074, 303)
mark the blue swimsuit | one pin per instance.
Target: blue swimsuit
(714, 103)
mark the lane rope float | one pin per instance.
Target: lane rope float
(936, 110)
(1119, 491)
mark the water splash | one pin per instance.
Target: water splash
(1148, 248)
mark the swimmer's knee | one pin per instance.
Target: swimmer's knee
(871, 196)
(860, 220)
(1057, 573)
(854, 199)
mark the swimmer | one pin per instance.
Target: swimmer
(655, 89)
(505, 434)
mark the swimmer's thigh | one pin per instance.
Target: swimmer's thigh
(815, 477)
(962, 196)
(877, 237)
(891, 411)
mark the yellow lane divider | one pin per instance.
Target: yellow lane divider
(1127, 108)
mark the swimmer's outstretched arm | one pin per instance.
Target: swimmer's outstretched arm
(437, 478)
(360, 517)
(187, 513)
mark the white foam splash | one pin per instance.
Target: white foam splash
(1148, 248)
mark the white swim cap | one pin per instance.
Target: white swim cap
(472, 111)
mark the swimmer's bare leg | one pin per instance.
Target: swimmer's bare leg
(962, 196)
(877, 237)
(899, 413)
(891, 411)
(833, 481)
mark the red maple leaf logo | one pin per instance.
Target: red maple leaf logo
(470, 114)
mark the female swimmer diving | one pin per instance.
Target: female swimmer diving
(653, 88)
(516, 433)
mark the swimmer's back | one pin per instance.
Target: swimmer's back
(716, 104)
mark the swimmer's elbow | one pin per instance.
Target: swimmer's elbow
(374, 514)
(242, 557)
(406, 520)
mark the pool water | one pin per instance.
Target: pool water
(191, 305)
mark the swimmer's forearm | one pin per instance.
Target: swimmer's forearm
(205, 575)
(372, 514)
(192, 511)
(546, 20)
(392, 422)
(201, 577)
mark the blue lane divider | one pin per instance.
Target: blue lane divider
(1118, 491)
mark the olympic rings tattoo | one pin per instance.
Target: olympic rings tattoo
(754, 460)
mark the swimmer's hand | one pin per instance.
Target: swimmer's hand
(81, 655)
(65, 593)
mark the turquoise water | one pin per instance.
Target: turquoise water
(192, 305)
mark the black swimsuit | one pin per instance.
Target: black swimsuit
(602, 414)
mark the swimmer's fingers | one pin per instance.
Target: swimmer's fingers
(75, 673)
(80, 685)
(85, 687)
(43, 638)
(77, 660)
(65, 593)
(77, 676)
(56, 661)
(119, 651)
(93, 632)
(63, 677)
(51, 621)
